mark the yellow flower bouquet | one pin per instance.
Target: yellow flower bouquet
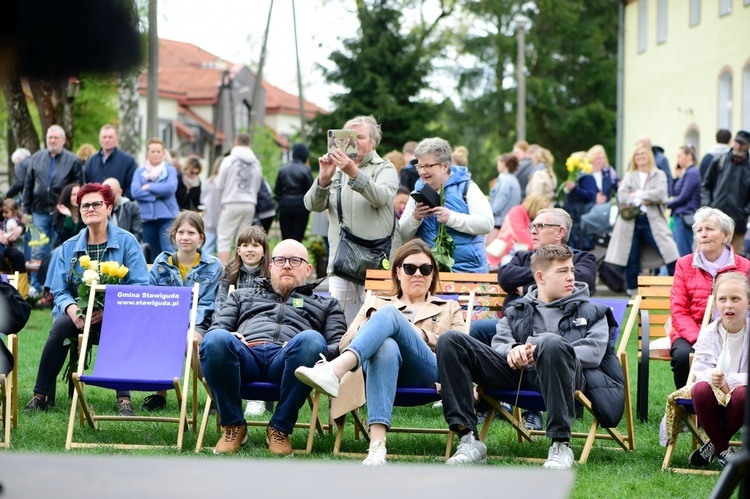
(38, 238)
(97, 272)
(577, 164)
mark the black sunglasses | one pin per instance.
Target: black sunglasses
(410, 269)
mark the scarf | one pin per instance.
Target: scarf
(191, 182)
(154, 173)
(739, 159)
(713, 268)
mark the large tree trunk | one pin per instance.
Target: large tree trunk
(129, 136)
(21, 126)
(55, 105)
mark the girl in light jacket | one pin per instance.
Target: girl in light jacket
(720, 368)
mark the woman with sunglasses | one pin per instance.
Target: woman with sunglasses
(99, 241)
(464, 209)
(393, 338)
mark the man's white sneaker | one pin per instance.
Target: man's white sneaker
(255, 408)
(469, 451)
(560, 456)
(320, 377)
(376, 453)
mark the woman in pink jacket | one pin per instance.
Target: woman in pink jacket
(694, 278)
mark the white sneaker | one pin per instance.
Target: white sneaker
(320, 377)
(255, 408)
(438, 405)
(33, 293)
(376, 454)
(469, 451)
(560, 456)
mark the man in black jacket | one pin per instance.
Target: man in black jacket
(292, 183)
(727, 186)
(264, 333)
(547, 341)
(14, 313)
(48, 172)
(110, 162)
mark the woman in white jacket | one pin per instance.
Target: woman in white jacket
(720, 368)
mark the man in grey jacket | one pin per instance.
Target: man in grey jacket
(239, 181)
(49, 170)
(263, 333)
(543, 343)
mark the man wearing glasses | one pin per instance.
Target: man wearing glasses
(551, 226)
(264, 333)
(48, 172)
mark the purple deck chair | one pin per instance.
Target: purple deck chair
(532, 400)
(145, 334)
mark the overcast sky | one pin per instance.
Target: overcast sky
(233, 30)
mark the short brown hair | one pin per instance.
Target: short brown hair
(546, 255)
(510, 161)
(155, 140)
(242, 139)
(194, 219)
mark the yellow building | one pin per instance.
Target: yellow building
(686, 72)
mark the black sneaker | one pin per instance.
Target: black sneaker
(125, 408)
(154, 403)
(725, 456)
(704, 455)
(36, 404)
(533, 420)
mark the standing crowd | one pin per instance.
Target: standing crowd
(415, 213)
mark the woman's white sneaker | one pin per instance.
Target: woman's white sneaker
(376, 453)
(320, 377)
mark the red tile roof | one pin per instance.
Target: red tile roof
(280, 102)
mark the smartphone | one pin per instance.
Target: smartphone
(343, 140)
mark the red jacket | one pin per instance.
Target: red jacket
(690, 291)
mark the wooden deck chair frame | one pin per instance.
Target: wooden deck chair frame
(85, 412)
(624, 441)
(263, 388)
(9, 383)
(405, 397)
(686, 414)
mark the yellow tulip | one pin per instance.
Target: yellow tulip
(122, 271)
(85, 261)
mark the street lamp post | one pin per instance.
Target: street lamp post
(521, 23)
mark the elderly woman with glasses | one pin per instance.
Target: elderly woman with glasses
(694, 277)
(364, 187)
(393, 339)
(465, 210)
(99, 241)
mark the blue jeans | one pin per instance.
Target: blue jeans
(683, 236)
(483, 330)
(156, 234)
(641, 232)
(392, 354)
(209, 247)
(227, 364)
(43, 221)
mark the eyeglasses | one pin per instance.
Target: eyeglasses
(92, 206)
(539, 227)
(294, 261)
(410, 269)
(422, 167)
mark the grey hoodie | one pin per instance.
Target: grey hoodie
(240, 177)
(589, 349)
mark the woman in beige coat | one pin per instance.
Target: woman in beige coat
(543, 180)
(644, 186)
(393, 338)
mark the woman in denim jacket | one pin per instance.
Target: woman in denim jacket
(186, 267)
(100, 241)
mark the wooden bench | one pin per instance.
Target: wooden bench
(654, 312)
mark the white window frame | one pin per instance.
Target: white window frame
(661, 21)
(725, 7)
(642, 25)
(725, 104)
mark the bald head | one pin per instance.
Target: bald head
(645, 140)
(114, 184)
(286, 276)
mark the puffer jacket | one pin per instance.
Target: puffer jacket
(605, 384)
(245, 279)
(165, 272)
(690, 291)
(259, 313)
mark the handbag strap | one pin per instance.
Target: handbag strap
(341, 212)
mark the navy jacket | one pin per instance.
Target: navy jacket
(119, 165)
(518, 273)
(663, 164)
(584, 192)
(687, 192)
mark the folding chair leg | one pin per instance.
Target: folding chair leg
(13, 340)
(314, 422)
(6, 381)
(589, 442)
(628, 403)
(204, 423)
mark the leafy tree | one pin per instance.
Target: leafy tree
(571, 59)
(384, 69)
(96, 105)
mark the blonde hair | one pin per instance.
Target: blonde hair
(397, 158)
(534, 204)
(460, 156)
(732, 277)
(85, 152)
(595, 150)
(649, 153)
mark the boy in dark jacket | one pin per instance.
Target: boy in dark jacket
(545, 340)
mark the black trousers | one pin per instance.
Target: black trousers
(293, 223)
(681, 350)
(462, 361)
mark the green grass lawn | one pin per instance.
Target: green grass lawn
(608, 473)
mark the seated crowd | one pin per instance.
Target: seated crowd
(260, 319)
